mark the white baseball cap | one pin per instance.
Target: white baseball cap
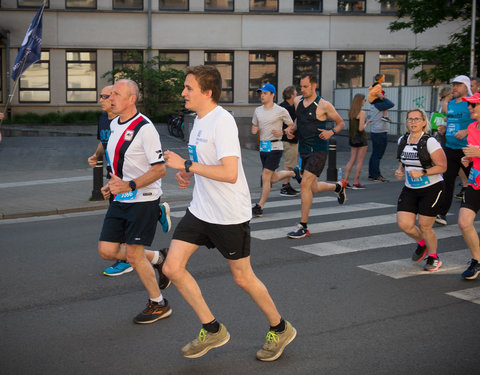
(466, 81)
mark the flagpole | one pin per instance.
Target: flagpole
(15, 84)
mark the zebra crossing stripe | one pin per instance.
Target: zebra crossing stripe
(471, 294)
(374, 242)
(453, 262)
(314, 212)
(275, 204)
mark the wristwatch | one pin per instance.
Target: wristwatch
(132, 185)
(188, 164)
(424, 172)
(334, 131)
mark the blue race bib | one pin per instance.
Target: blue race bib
(265, 146)
(474, 177)
(126, 196)
(192, 151)
(418, 182)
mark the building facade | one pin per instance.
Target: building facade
(251, 41)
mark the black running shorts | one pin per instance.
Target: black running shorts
(233, 241)
(271, 160)
(471, 199)
(425, 201)
(314, 162)
(131, 223)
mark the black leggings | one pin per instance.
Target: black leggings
(453, 167)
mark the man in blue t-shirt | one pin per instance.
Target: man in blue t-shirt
(458, 119)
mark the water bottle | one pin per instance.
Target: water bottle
(340, 173)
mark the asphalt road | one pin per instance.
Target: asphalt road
(59, 314)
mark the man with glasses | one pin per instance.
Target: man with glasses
(458, 119)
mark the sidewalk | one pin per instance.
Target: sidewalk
(49, 174)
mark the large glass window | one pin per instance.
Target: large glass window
(128, 4)
(179, 59)
(304, 63)
(394, 66)
(83, 4)
(350, 69)
(34, 84)
(81, 76)
(390, 6)
(131, 59)
(264, 5)
(223, 61)
(314, 6)
(173, 4)
(262, 69)
(32, 3)
(220, 5)
(351, 6)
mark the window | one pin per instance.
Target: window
(351, 6)
(350, 68)
(131, 59)
(34, 84)
(264, 5)
(394, 66)
(389, 6)
(32, 3)
(177, 59)
(262, 69)
(314, 6)
(83, 4)
(128, 4)
(221, 5)
(173, 4)
(306, 62)
(223, 61)
(81, 76)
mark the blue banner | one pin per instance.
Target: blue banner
(31, 47)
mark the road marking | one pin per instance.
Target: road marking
(453, 262)
(471, 295)
(274, 204)
(268, 234)
(45, 182)
(52, 217)
(374, 242)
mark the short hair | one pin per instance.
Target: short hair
(426, 127)
(310, 76)
(476, 79)
(288, 92)
(445, 92)
(132, 87)
(208, 78)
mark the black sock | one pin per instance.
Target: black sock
(285, 185)
(212, 327)
(304, 225)
(338, 187)
(280, 327)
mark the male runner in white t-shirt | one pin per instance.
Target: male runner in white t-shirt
(134, 153)
(218, 216)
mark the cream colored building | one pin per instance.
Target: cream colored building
(345, 42)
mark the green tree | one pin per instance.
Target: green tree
(443, 61)
(160, 85)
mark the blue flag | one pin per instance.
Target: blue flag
(31, 47)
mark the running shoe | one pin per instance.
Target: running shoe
(370, 177)
(164, 217)
(206, 341)
(288, 191)
(433, 264)
(118, 268)
(441, 219)
(153, 312)
(358, 186)
(163, 281)
(341, 193)
(348, 185)
(257, 211)
(298, 177)
(381, 179)
(420, 253)
(461, 193)
(386, 119)
(472, 271)
(299, 232)
(276, 343)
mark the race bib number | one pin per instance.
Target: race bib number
(265, 146)
(192, 151)
(452, 128)
(418, 182)
(474, 177)
(126, 196)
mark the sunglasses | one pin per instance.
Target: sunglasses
(472, 104)
(104, 96)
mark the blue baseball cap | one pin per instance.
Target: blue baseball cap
(267, 87)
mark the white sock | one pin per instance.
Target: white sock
(159, 300)
(157, 257)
